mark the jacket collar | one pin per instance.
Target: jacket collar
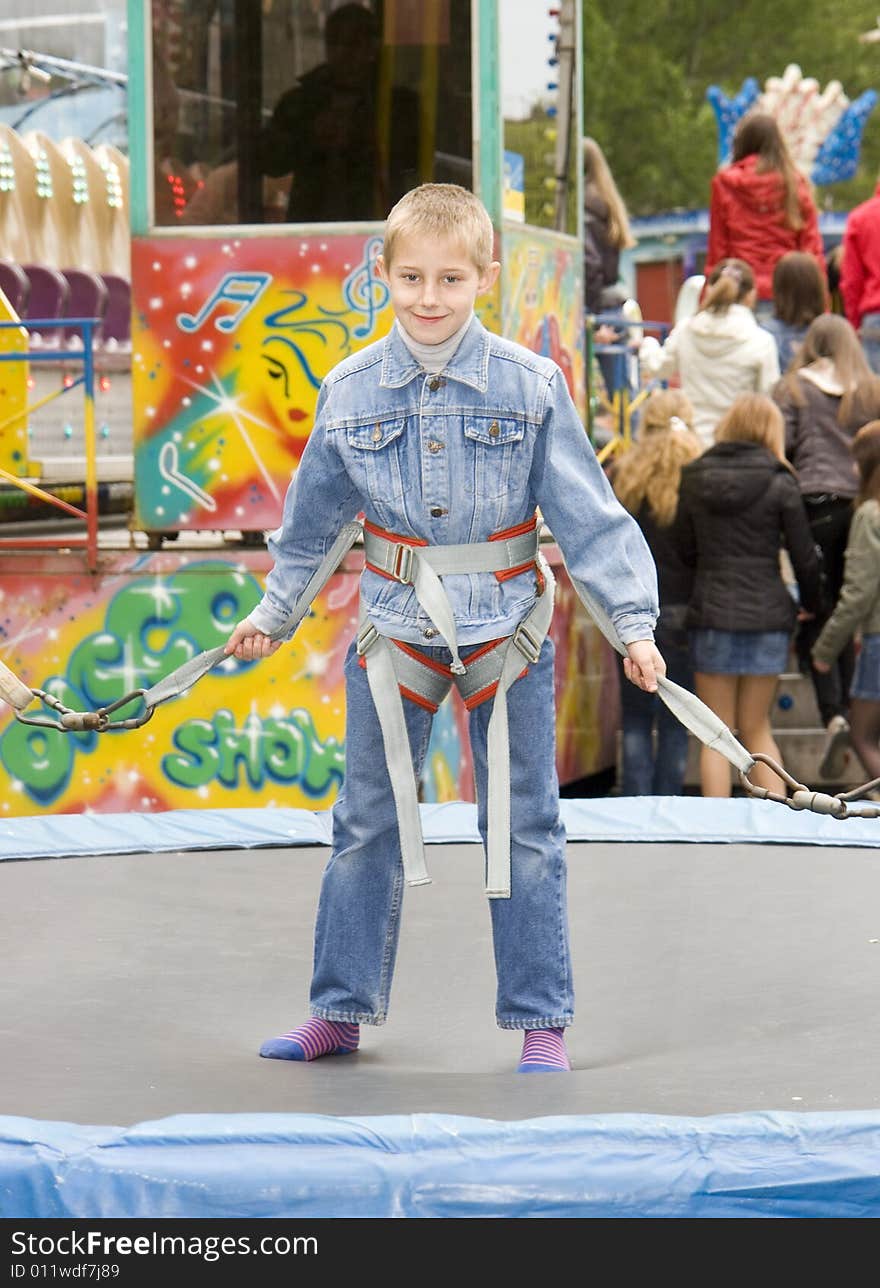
(823, 374)
(469, 364)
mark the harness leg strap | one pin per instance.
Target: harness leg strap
(534, 629)
(389, 709)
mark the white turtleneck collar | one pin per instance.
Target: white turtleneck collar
(433, 357)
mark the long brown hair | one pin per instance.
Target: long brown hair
(754, 418)
(866, 450)
(730, 282)
(800, 289)
(598, 173)
(830, 336)
(650, 472)
(759, 135)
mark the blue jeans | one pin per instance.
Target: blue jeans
(648, 770)
(869, 333)
(362, 889)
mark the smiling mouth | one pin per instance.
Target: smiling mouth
(420, 317)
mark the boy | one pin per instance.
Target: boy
(448, 438)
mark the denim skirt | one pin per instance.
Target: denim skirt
(740, 652)
(866, 681)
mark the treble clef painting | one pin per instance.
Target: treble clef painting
(364, 291)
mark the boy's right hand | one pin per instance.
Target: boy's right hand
(249, 644)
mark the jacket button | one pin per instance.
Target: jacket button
(430, 633)
(434, 446)
(494, 429)
(435, 383)
(437, 511)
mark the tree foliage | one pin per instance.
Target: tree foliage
(647, 69)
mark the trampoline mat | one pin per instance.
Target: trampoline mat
(709, 979)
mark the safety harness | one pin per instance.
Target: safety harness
(396, 670)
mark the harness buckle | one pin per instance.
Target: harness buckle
(366, 639)
(401, 564)
(528, 644)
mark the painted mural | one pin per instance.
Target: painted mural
(264, 734)
(542, 300)
(231, 340)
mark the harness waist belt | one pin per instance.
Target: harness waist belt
(395, 558)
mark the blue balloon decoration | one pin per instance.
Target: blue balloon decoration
(838, 157)
(728, 112)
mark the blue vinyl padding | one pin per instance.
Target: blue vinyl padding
(434, 1165)
(608, 819)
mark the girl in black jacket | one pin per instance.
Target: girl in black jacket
(738, 505)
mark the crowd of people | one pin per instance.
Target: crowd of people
(755, 478)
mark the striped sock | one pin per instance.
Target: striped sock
(544, 1052)
(313, 1039)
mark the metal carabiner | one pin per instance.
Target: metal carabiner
(70, 721)
(801, 797)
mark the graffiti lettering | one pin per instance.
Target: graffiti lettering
(286, 750)
(157, 624)
(151, 627)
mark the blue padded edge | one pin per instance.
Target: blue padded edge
(434, 1165)
(610, 819)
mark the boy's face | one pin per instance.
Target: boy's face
(434, 284)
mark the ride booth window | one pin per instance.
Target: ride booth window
(306, 111)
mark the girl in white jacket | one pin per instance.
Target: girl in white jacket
(720, 352)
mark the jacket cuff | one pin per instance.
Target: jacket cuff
(266, 618)
(630, 629)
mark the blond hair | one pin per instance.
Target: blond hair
(598, 173)
(650, 472)
(754, 418)
(442, 210)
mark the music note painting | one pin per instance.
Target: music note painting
(231, 342)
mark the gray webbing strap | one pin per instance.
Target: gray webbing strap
(420, 679)
(432, 597)
(482, 672)
(393, 557)
(389, 709)
(529, 635)
(686, 707)
(186, 675)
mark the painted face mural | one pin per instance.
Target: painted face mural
(230, 345)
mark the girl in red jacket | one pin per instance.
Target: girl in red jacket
(761, 206)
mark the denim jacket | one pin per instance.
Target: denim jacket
(453, 459)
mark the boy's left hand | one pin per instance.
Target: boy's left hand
(643, 664)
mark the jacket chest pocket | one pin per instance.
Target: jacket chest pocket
(497, 455)
(374, 455)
